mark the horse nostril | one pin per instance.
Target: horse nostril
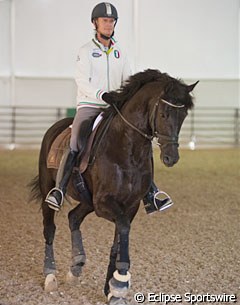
(166, 160)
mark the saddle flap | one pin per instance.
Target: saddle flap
(61, 143)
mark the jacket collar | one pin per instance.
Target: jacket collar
(102, 47)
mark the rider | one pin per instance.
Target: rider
(101, 67)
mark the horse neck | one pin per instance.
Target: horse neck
(136, 111)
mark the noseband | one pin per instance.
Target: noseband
(164, 138)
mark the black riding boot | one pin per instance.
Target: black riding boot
(153, 202)
(55, 197)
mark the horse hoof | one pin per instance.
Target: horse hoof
(50, 283)
(71, 279)
(117, 301)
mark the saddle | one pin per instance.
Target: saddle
(61, 143)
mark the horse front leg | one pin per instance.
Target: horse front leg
(49, 268)
(76, 217)
(112, 262)
(120, 281)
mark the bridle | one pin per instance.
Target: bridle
(166, 139)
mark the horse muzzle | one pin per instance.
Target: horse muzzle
(169, 149)
(169, 155)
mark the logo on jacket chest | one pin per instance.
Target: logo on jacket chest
(96, 53)
(116, 54)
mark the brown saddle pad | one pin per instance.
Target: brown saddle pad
(61, 143)
(57, 149)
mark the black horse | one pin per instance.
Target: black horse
(151, 104)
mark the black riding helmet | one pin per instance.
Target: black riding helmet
(104, 9)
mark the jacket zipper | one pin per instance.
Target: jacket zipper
(107, 54)
(108, 81)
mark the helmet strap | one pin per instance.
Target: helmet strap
(105, 37)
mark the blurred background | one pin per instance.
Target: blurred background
(189, 39)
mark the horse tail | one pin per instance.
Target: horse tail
(34, 189)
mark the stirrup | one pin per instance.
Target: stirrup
(52, 201)
(162, 203)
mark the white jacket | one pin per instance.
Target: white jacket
(99, 71)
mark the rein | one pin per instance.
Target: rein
(149, 137)
(169, 139)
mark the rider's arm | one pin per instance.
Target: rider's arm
(83, 77)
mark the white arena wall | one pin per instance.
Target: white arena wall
(189, 39)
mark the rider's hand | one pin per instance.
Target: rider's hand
(107, 98)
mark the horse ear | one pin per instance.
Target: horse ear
(191, 87)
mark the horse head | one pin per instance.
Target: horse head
(167, 100)
(169, 111)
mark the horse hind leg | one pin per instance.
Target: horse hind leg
(49, 268)
(76, 217)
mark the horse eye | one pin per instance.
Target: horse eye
(164, 115)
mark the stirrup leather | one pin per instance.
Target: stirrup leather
(164, 198)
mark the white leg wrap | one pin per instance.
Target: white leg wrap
(121, 277)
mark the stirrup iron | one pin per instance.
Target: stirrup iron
(162, 201)
(52, 201)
